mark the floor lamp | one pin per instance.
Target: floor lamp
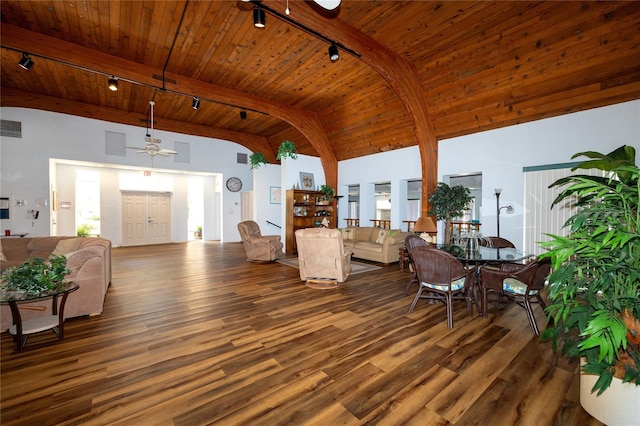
(509, 208)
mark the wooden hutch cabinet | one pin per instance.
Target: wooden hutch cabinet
(306, 210)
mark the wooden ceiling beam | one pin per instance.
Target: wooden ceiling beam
(306, 122)
(399, 73)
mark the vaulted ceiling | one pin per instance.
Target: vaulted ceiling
(409, 73)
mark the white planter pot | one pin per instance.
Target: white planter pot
(619, 405)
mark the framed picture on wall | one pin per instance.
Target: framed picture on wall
(306, 181)
(275, 196)
(5, 208)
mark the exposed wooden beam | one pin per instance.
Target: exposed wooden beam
(62, 51)
(399, 73)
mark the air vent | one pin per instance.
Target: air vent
(183, 150)
(242, 158)
(11, 129)
(114, 143)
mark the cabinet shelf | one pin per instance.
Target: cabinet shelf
(299, 201)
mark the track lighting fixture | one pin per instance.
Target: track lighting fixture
(113, 84)
(259, 17)
(195, 104)
(333, 53)
(26, 62)
(243, 115)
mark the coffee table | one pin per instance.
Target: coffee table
(21, 330)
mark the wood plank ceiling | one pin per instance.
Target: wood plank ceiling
(423, 70)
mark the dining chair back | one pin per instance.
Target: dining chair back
(410, 242)
(443, 278)
(496, 242)
(522, 284)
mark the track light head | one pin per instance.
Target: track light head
(259, 17)
(26, 62)
(243, 115)
(113, 84)
(333, 53)
(195, 104)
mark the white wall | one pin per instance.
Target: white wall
(500, 156)
(25, 168)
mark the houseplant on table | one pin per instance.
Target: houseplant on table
(595, 284)
(448, 202)
(35, 277)
(327, 194)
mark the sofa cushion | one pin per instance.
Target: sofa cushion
(66, 246)
(382, 236)
(348, 234)
(363, 233)
(16, 248)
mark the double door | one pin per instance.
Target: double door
(146, 218)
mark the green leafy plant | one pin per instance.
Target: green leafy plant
(36, 276)
(287, 149)
(84, 230)
(448, 202)
(327, 193)
(257, 159)
(595, 284)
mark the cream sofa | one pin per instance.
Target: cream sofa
(88, 258)
(376, 244)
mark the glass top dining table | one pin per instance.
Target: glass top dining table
(486, 254)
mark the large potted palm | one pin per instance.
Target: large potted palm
(595, 284)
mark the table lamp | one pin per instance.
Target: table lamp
(425, 226)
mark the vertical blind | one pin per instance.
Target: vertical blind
(539, 218)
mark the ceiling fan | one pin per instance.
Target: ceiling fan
(152, 147)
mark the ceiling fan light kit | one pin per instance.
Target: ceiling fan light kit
(152, 148)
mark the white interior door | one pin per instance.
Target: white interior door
(146, 218)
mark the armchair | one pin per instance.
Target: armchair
(520, 283)
(443, 278)
(258, 247)
(322, 255)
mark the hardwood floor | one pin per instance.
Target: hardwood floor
(194, 334)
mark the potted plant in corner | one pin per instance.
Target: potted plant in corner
(595, 284)
(448, 202)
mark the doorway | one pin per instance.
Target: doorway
(146, 218)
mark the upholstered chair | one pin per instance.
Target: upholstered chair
(322, 255)
(258, 247)
(521, 283)
(443, 278)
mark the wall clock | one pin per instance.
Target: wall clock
(234, 184)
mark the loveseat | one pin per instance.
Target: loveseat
(376, 244)
(89, 259)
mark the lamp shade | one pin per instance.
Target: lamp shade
(425, 224)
